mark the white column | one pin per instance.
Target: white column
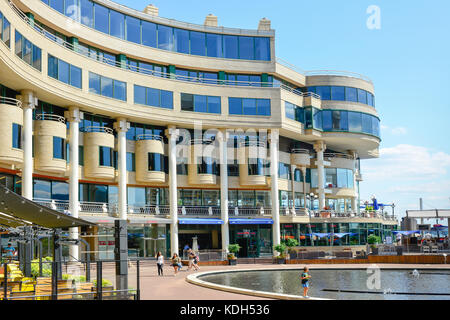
(121, 127)
(293, 167)
(29, 102)
(223, 138)
(354, 202)
(320, 147)
(274, 186)
(172, 134)
(74, 117)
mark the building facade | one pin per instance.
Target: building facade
(186, 131)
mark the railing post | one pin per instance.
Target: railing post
(54, 280)
(5, 281)
(99, 280)
(138, 278)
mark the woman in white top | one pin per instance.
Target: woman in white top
(160, 263)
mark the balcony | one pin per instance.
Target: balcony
(94, 138)
(10, 114)
(301, 157)
(145, 144)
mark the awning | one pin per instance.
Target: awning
(199, 221)
(28, 211)
(405, 233)
(250, 221)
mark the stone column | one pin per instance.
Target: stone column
(320, 147)
(293, 167)
(172, 133)
(304, 186)
(29, 102)
(74, 117)
(223, 139)
(121, 126)
(273, 139)
(354, 201)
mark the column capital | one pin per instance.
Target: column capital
(353, 153)
(28, 99)
(223, 135)
(274, 135)
(74, 114)
(172, 132)
(121, 125)
(320, 146)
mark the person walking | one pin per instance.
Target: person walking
(191, 257)
(10, 252)
(160, 263)
(196, 260)
(176, 263)
(305, 281)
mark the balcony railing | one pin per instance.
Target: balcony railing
(149, 137)
(11, 101)
(163, 210)
(301, 151)
(50, 117)
(98, 129)
(83, 206)
(244, 211)
(199, 210)
(338, 155)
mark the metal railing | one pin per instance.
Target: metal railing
(253, 143)
(163, 210)
(50, 117)
(201, 141)
(199, 210)
(290, 66)
(337, 73)
(98, 129)
(301, 151)
(11, 101)
(338, 155)
(83, 206)
(149, 137)
(243, 211)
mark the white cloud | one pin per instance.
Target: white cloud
(397, 131)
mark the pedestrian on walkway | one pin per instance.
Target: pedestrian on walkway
(305, 281)
(191, 257)
(160, 263)
(196, 260)
(176, 263)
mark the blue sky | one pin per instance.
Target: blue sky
(408, 60)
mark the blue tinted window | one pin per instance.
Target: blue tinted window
(370, 99)
(326, 120)
(324, 92)
(338, 93)
(52, 66)
(235, 105)
(362, 96)
(6, 32)
(139, 94)
(153, 97)
(18, 44)
(187, 102)
(133, 29)
(249, 106)
(289, 109)
(27, 51)
(42, 189)
(317, 117)
(87, 13)
(167, 99)
(343, 120)
(155, 162)
(58, 148)
(246, 48)
(58, 5)
(181, 40)
(263, 106)
(375, 126)
(230, 44)
(16, 136)
(367, 123)
(354, 121)
(106, 156)
(120, 90)
(63, 71)
(214, 45)
(214, 105)
(131, 162)
(75, 76)
(106, 87)
(262, 48)
(117, 24)
(37, 56)
(351, 94)
(94, 83)
(198, 43)
(300, 114)
(149, 34)
(101, 18)
(200, 103)
(165, 38)
(72, 10)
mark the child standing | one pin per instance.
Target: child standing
(305, 281)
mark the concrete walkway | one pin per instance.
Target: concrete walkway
(171, 287)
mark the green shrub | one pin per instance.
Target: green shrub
(373, 239)
(281, 248)
(233, 249)
(46, 267)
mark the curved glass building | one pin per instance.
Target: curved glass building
(195, 134)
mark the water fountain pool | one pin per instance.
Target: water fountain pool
(343, 284)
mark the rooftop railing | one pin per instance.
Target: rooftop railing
(338, 73)
(11, 101)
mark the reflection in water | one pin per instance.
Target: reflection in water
(435, 285)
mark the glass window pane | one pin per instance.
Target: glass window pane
(336, 119)
(131, 161)
(165, 38)
(117, 24)
(350, 183)
(214, 105)
(200, 103)
(354, 121)
(235, 105)
(262, 49)
(181, 40)
(249, 106)
(27, 51)
(366, 123)
(17, 136)
(72, 10)
(338, 93)
(153, 97)
(246, 48)
(58, 5)
(324, 92)
(351, 94)
(198, 43)
(362, 96)
(230, 44)
(37, 55)
(133, 29)
(18, 44)
(87, 13)
(214, 45)
(326, 120)
(263, 106)
(101, 18)
(167, 99)
(60, 190)
(75, 76)
(42, 189)
(289, 109)
(120, 90)
(52, 67)
(6, 34)
(139, 94)
(149, 34)
(106, 87)
(63, 71)
(370, 99)
(343, 121)
(136, 196)
(342, 180)
(187, 102)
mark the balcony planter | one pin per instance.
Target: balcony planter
(233, 249)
